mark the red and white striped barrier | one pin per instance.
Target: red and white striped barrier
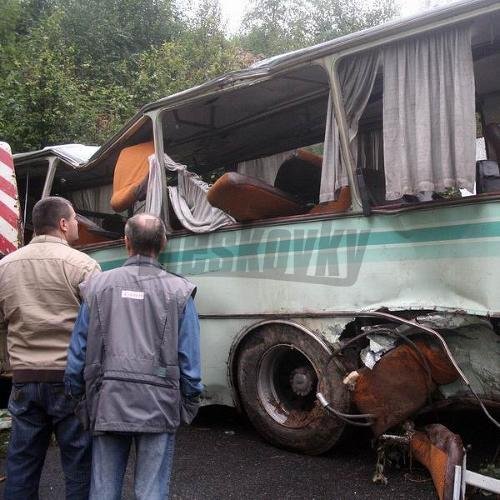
(9, 202)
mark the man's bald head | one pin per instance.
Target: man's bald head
(146, 235)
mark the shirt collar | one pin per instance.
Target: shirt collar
(142, 260)
(47, 238)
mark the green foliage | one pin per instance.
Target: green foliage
(491, 469)
(275, 26)
(203, 52)
(109, 33)
(331, 19)
(76, 70)
(11, 11)
(40, 94)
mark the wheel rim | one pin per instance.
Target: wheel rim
(286, 385)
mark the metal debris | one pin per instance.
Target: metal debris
(379, 345)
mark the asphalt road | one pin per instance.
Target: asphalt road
(221, 457)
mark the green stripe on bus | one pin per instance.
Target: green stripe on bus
(345, 239)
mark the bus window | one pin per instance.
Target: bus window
(270, 167)
(429, 143)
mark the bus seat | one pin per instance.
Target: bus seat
(310, 157)
(340, 205)
(248, 198)
(131, 168)
(487, 176)
(89, 232)
(492, 135)
(300, 176)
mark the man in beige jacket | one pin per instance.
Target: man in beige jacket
(39, 302)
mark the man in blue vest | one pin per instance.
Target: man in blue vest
(135, 353)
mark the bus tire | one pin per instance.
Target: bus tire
(280, 369)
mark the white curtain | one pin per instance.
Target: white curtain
(95, 199)
(429, 113)
(357, 76)
(264, 168)
(188, 198)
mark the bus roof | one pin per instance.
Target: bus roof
(74, 155)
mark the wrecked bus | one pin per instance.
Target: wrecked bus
(332, 209)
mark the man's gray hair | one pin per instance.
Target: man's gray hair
(48, 212)
(146, 233)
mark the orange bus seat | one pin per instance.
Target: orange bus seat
(338, 206)
(248, 198)
(131, 168)
(310, 157)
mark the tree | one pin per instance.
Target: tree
(109, 35)
(276, 26)
(201, 53)
(11, 11)
(33, 14)
(68, 78)
(39, 95)
(331, 19)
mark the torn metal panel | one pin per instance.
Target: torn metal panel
(476, 349)
(330, 329)
(451, 321)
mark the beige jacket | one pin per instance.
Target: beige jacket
(39, 302)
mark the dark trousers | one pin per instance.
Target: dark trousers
(38, 410)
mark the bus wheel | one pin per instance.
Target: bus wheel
(280, 370)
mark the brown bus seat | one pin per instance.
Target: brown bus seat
(131, 168)
(89, 232)
(340, 205)
(248, 198)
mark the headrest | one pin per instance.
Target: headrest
(300, 176)
(131, 168)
